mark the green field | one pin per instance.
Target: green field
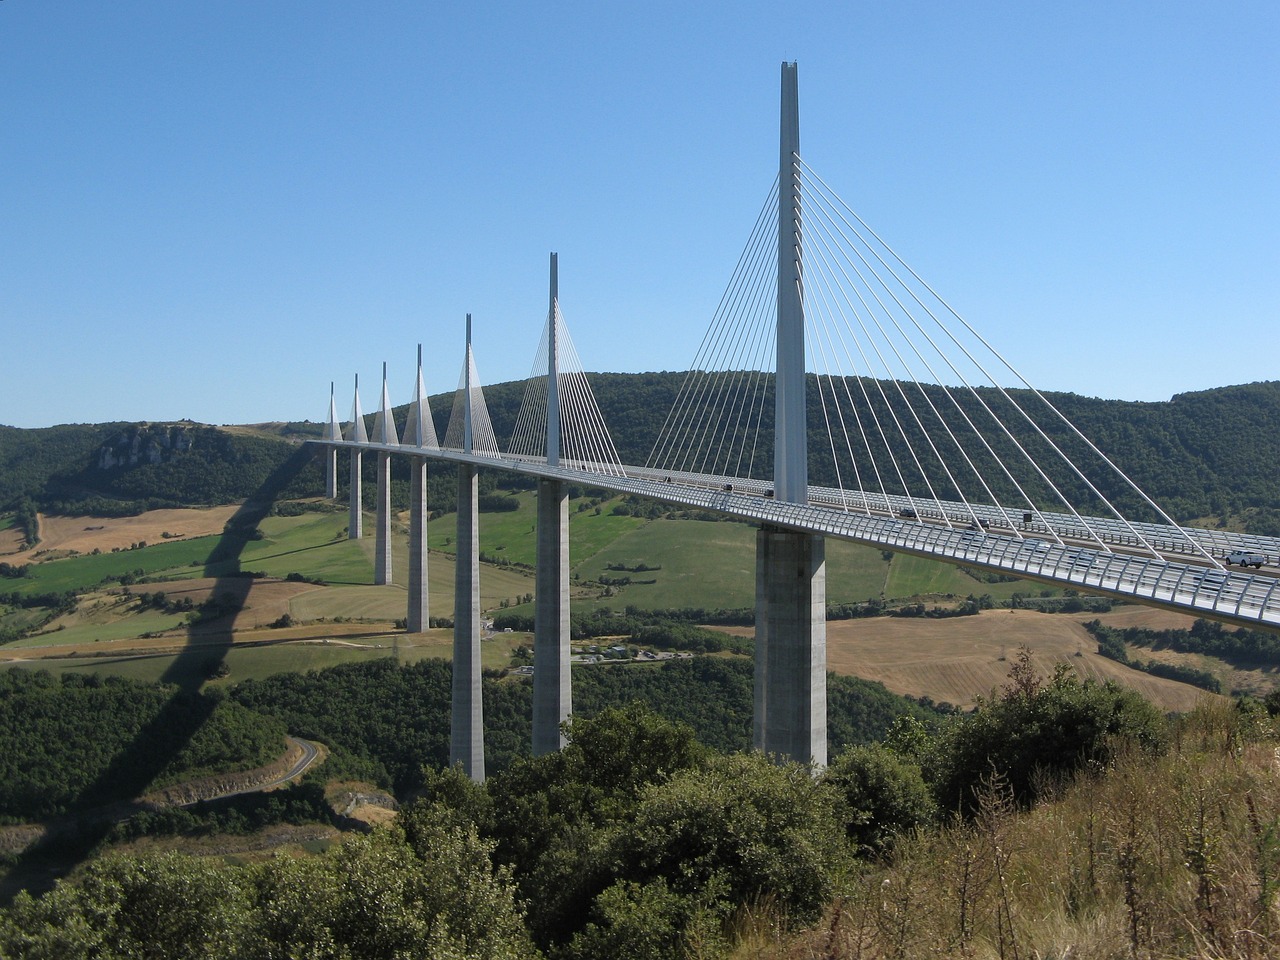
(911, 576)
(257, 662)
(693, 564)
(313, 545)
(146, 621)
(512, 535)
(703, 564)
(173, 559)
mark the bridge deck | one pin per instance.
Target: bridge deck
(1109, 566)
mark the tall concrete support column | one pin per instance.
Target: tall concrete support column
(552, 697)
(355, 520)
(331, 473)
(382, 541)
(466, 745)
(355, 524)
(791, 575)
(419, 614)
(791, 645)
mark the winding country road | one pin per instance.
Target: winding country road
(310, 754)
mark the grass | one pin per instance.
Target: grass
(512, 535)
(1157, 856)
(313, 545)
(709, 564)
(260, 661)
(176, 558)
(702, 564)
(147, 621)
(854, 572)
(245, 663)
(20, 618)
(911, 576)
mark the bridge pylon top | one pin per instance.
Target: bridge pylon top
(333, 429)
(357, 432)
(384, 427)
(470, 429)
(419, 428)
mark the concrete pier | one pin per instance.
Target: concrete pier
(791, 645)
(330, 455)
(552, 698)
(791, 575)
(466, 742)
(419, 613)
(355, 496)
(382, 540)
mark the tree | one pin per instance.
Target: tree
(737, 830)
(552, 814)
(376, 897)
(1037, 732)
(884, 795)
(172, 907)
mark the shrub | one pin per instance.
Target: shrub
(1037, 732)
(884, 795)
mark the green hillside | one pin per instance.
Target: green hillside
(1204, 456)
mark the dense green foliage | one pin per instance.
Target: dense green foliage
(380, 897)
(1113, 645)
(1035, 735)
(884, 796)
(76, 742)
(30, 458)
(1204, 454)
(1210, 453)
(385, 722)
(242, 814)
(1238, 646)
(634, 841)
(634, 838)
(111, 469)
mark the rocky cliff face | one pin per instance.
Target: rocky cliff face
(145, 443)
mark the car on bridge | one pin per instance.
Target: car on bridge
(1245, 558)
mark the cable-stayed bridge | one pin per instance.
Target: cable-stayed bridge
(824, 361)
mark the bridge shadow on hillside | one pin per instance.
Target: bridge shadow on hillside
(73, 840)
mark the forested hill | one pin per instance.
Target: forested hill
(1204, 456)
(115, 468)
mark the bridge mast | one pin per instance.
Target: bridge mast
(331, 432)
(790, 455)
(552, 694)
(355, 515)
(466, 738)
(790, 719)
(416, 434)
(553, 370)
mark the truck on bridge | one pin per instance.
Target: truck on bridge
(1245, 558)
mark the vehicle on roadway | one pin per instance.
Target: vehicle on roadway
(1245, 558)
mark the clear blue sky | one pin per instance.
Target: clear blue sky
(212, 210)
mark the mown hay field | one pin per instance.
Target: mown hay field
(86, 534)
